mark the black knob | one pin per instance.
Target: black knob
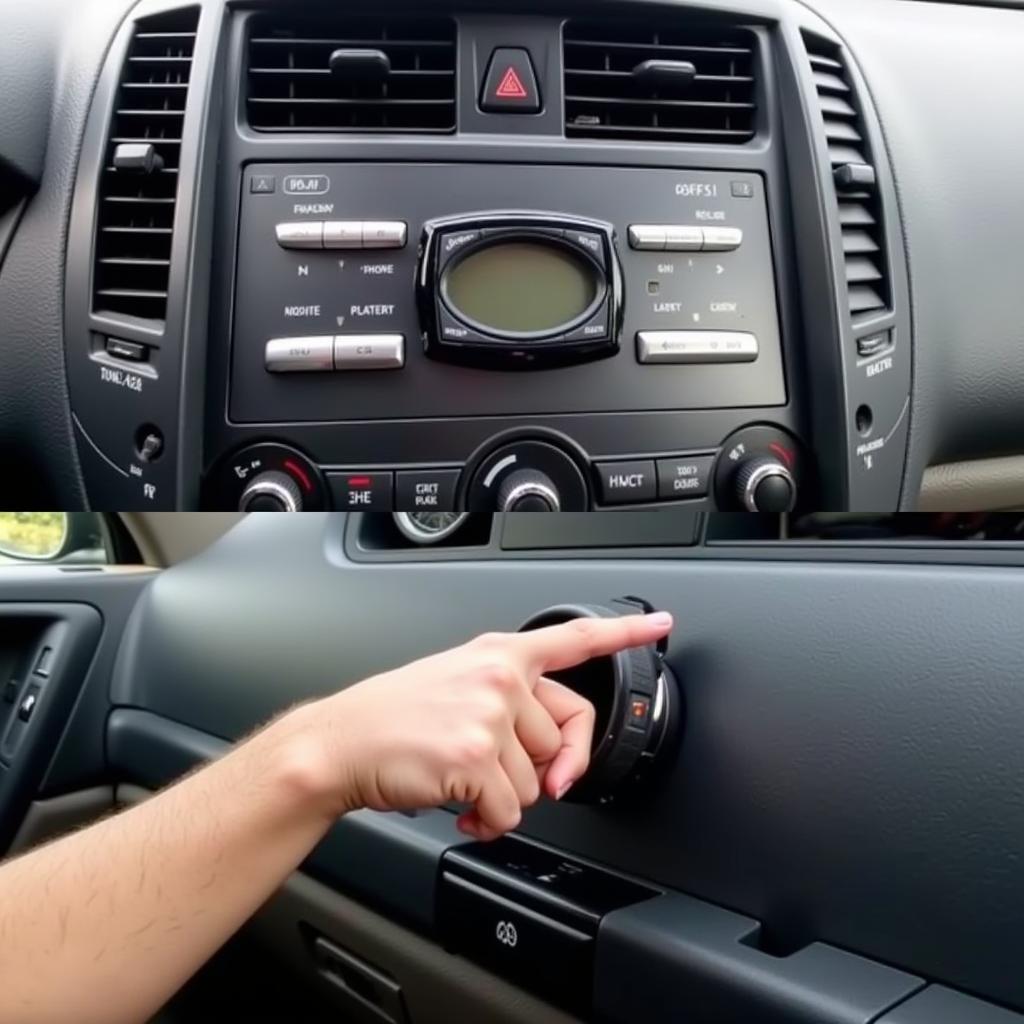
(765, 484)
(528, 490)
(271, 492)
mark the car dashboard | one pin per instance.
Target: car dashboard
(718, 256)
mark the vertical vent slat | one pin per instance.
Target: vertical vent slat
(135, 218)
(860, 217)
(291, 88)
(605, 99)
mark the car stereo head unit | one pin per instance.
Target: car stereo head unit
(519, 289)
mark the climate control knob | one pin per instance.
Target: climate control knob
(271, 492)
(765, 484)
(528, 490)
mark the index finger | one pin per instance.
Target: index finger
(571, 643)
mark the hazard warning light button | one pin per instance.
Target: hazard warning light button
(510, 85)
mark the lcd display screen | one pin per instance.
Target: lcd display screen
(521, 287)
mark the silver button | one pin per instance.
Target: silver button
(343, 234)
(296, 355)
(369, 351)
(696, 347)
(304, 234)
(722, 239)
(384, 234)
(647, 236)
(682, 238)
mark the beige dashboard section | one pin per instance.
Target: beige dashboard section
(983, 485)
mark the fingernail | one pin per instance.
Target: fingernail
(660, 619)
(563, 789)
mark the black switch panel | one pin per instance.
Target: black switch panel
(520, 908)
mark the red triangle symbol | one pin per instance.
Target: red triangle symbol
(511, 87)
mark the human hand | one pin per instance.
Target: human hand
(480, 724)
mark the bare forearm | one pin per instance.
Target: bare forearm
(104, 925)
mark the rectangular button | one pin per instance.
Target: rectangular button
(362, 492)
(683, 478)
(304, 234)
(131, 351)
(343, 234)
(299, 355)
(28, 705)
(647, 236)
(696, 347)
(369, 351)
(627, 483)
(682, 238)
(722, 239)
(426, 490)
(262, 184)
(384, 234)
(873, 344)
(516, 941)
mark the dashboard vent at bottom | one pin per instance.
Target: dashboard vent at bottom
(351, 74)
(139, 181)
(634, 80)
(853, 180)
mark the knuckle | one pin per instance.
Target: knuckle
(586, 629)
(488, 641)
(500, 675)
(475, 747)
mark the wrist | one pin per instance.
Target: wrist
(307, 763)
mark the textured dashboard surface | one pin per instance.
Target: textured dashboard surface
(852, 761)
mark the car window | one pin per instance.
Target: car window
(45, 538)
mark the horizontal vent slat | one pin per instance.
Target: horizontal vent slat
(845, 155)
(842, 131)
(290, 87)
(858, 243)
(344, 102)
(863, 300)
(136, 211)
(620, 76)
(605, 100)
(326, 72)
(372, 42)
(826, 82)
(861, 270)
(835, 106)
(855, 215)
(641, 131)
(625, 101)
(611, 45)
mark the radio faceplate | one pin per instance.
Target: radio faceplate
(341, 286)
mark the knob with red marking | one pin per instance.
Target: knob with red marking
(266, 477)
(760, 469)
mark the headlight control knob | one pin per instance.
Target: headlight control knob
(638, 705)
(528, 490)
(271, 492)
(765, 484)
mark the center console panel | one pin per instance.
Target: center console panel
(489, 262)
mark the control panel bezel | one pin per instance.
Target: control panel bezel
(219, 147)
(451, 335)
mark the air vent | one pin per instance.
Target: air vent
(340, 74)
(853, 176)
(139, 183)
(632, 80)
